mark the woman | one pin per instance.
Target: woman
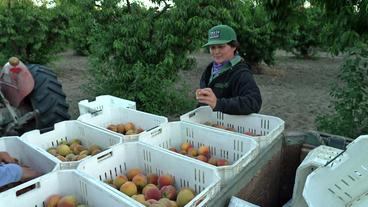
(227, 84)
(11, 172)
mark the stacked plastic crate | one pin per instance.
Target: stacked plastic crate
(104, 101)
(64, 133)
(343, 181)
(69, 183)
(262, 128)
(237, 150)
(316, 158)
(183, 173)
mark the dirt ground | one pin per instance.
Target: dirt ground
(295, 90)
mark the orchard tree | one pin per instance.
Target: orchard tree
(33, 33)
(305, 39)
(350, 97)
(81, 22)
(343, 23)
(346, 23)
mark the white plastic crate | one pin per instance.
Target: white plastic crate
(237, 202)
(343, 182)
(104, 101)
(186, 173)
(315, 158)
(266, 127)
(68, 130)
(109, 116)
(64, 182)
(27, 155)
(237, 149)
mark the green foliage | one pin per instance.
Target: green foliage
(34, 34)
(345, 24)
(256, 34)
(139, 61)
(350, 95)
(305, 39)
(81, 23)
(285, 15)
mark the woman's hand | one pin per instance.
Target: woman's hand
(5, 157)
(28, 173)
(206, 96)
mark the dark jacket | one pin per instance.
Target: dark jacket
(236, 91)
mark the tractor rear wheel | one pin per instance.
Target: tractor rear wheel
(48, 98)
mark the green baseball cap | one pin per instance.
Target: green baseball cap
(220, 34)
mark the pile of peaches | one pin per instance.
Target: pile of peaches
(249, 133)
(57, 200)
(73, 150)
(151, 189)
(125, 128)
(202, 153)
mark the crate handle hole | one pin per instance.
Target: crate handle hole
(27, 189)
(104, 157)
(192, 114)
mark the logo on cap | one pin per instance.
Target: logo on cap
(214, 34)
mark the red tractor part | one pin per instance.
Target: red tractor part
(16, 81)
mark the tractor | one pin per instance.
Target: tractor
(30, 98)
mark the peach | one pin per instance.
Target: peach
(67, 201)
(152, 193)
(84, 152)
(130, 132)
(75, 141)
(148, 186)
(74, 148)
(167, 202)
(212, 161)
(63, 150)
(120, 128)
(120, 180)
(129, 126)
(152, 178)
(248, 133)
(222, 162)
(185, 146)
(185, 195)
(133, 172)
(164, 180)
(173, 149)
(95, 151)
(140, 198)
(80, 157)
(94, 146)
(202, 158)
(52, 200)
(203, 150)
(109, 181)
(129, 188)
(169, 192)
(231, 129)
(53, 151)
(62, 158)
(139, 130)
(192, 152)
(151, 202)
(112, 127)
(140, 180)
